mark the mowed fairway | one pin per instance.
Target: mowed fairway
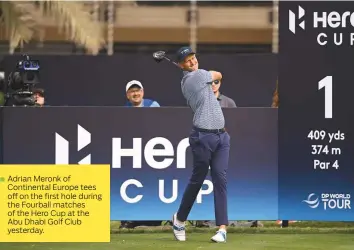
(201, 241)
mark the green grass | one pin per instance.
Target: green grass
(200, 241)
(271, 224)
(310, 235)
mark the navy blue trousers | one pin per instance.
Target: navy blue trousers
(209, 149)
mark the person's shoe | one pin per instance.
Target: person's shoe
(219, 237)
(179, 229)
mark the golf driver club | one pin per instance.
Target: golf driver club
(160, 55)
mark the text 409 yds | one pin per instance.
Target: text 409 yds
(323, 135)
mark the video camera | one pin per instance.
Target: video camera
(21, 83)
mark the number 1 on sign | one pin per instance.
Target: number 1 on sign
(326, 83)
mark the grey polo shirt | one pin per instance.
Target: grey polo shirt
(196, 89)
(226, 102)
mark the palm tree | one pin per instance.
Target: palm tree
(24, 20)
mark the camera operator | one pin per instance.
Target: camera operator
(20, 87)
(38, 95)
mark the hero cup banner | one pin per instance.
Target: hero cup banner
(315, 129)
(151, 161)
(150, 157)
(328, 23)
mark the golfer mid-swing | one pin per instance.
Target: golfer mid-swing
(209, 141)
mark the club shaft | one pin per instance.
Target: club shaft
(168, 59)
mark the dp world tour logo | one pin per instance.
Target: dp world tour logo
(312, 200)
(293, 18)
(62, 146)
(329, 201)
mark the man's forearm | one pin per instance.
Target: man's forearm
(215, 75)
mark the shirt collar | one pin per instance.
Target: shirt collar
(220, 96)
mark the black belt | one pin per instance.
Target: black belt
(221, 130)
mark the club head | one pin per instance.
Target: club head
(159, 55)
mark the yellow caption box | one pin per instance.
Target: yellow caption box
(54, 203)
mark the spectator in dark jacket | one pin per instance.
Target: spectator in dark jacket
(224, 101)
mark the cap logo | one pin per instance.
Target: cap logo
(185, 51)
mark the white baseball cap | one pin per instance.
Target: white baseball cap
(131, 83)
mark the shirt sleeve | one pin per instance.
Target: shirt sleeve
(232, 104)
(155, 104)
(206, 76)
